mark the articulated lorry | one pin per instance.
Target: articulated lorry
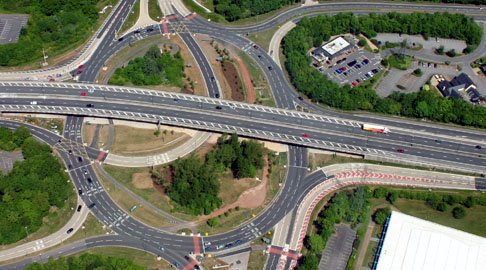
(375, 128)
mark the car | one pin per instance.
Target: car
(70, 151)
(219, 108)
(216, 95)
(438, 141)
(79, 208)
(305, 135)
(91, 205)
(368, 75)
(149, 29)
(375, 70)
(352, 63)
(80, 66)
(89, 180)
(237, 242)
(176, 99)
(358, 80)
(478, 147)
(365, 61)
(207, 243)
(136, 31)
(354, 84)
(255, 46)
(80, 159)
(358, 66)
(259, 56)
(70, 230)
(85, 171)
(339, 71)
(79, 71)
(70, 166)
(345, 73)
(270, 68)
(83, 94)
(33, 103)
(89, 105)
(208, 249)
(162, 248)
(400, 150)
(52, 79)
(213, 79)
(121, 39)
(219, 247)
(344, 59)
(343, 69)
(300, 98)
(339, 61)
(228, 245)
(188, 258)
(80, 191)
(176, 264)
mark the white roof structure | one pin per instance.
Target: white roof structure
(335, 45)
(413, 243)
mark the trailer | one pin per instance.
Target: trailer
(375, 128)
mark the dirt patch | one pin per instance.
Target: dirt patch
(142, 180)
(245, 74)
(233, 78)
(88, 133)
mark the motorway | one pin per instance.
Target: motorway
(329, 130)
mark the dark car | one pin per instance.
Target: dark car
(121, 39)
(375, 71)
(149, 29)
(70, 166)
(479, 147)
(176, 264)
(219, 107)
(70, 230)
(80, 191)
(80, 159)
(79, 208)
(400, 150)
(301, 98)
(216, 95)
(70, 151)
(259, 56)
(136, 31)
(237, 242)
(352, 63)
(255, 46)
(91, 205)
(208, 249)
(270, 68)
(89, 180)
(213, 79)
(89, 105)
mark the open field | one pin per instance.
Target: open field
(139, 142)
(263, 38)
(257, 260)
(154, 11)
(139, 257)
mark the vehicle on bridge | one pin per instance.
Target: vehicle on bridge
(375, 128)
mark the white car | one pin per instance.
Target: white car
(33, 103)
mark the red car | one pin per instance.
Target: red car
(83, 94)
(343, 68)
(400, 151)
(354, 84)
(305, 135)
(81, 67)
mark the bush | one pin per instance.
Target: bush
(442, 206)
(459, 212)
(381, 215)
(362, 42)
(212, 222)
(440, 50)
(418, 72)
(451, 53)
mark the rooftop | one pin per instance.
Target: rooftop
(335, 45)
(413, 243)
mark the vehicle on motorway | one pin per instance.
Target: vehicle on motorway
(91, 205)
(400, 150)
(270, 68)
(70, 230)
(216, 95)
(255, 46)
(305, 135)
(121, 39)
(237, 242)
(207, 243)
(33, 103)
(479, 147)
(89, 105)
(83, 94)
(219, 247)
(79, 208)
(375, 128)
(213, 79)
(219, 107)
(80, 191)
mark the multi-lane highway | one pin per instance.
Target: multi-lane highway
(425, 143)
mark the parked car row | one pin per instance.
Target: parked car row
(351, 67)
(366, 76)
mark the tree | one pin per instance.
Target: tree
(440, 50)
(381, 215)
(459, 212)
(442, 206)
(392, 197)
(418, 72)
(315, 243)
(451, 53)
(362, 42)
(212, 222)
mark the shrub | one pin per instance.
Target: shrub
(381, 215)
(459, 212)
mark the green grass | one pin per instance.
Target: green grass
(145, 259)
(154, 10)
(132, 18)
(263, 38)
(263, 93)
(257, 260)
(92, 227)
(201, 12)
(402, 63)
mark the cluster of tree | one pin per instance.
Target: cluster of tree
(437, 201)
(53, 26)
(474, 2)
(381, 215)
(153, 68)
(312, 32)
(234, 10)
(350, 206)
(31, 188)
(86, 262)
(195, 184)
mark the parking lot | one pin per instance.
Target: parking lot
(10, 26)
(339, 247)
(7, 160)
(354, 68)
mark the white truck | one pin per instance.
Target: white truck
(375, 128)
